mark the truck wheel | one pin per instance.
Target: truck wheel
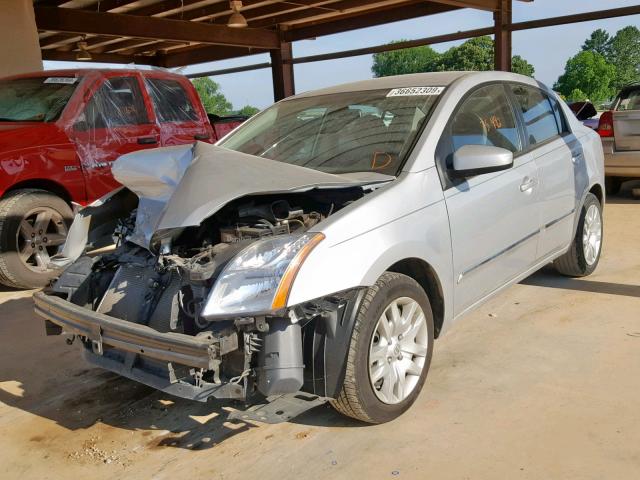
(612, 185)
(584, 254)
(33, 227)
(390, 351)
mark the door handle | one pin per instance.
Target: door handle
(576, 157)
(147, 140)
(201, 136)
(527, 184)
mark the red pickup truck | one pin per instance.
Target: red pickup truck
(59, 133)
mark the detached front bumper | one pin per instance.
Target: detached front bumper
(116, 344)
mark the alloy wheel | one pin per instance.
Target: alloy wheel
(398, 350)
(592, 234)
(40, 235)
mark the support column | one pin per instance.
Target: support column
(20, 46)
(502, 46)
(282, 71)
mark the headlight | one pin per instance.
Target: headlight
(259, 278)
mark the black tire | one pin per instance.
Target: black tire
(357, 398)
(573, 263)
(14, 208)
(612, 185)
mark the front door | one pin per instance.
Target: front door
(114, 121)
(494, 218)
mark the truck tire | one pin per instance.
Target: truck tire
(612, 185)
(584, 253)
(33, 227)
(390, 351)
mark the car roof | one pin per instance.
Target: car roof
(69, 72)
(430, 79)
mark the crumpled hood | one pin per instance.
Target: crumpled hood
(182, 186)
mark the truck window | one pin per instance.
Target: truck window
(118, 102)
(539, 117)
(629, 100)
(170, 101)
(486, 118)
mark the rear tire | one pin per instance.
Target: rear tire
(388, 361)
(612, 185)
(33, 227)
(584, 254)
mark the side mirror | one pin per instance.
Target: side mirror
(470, 160)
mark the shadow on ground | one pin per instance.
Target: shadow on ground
(48, 378)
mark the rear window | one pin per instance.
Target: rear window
(170, 101)
(40, 99)
(629, 100)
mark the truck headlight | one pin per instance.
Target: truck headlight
(259, 278)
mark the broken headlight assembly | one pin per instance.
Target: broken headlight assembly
(259, 278)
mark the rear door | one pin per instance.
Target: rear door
(557, 155)
(494, 218)
(626, 120)
(180, 116)
(114, 121)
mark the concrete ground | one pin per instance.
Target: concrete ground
(542, 382)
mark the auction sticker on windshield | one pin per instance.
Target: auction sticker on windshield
(64, 80)
(415, 91)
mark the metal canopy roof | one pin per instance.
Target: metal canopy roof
(173, 33)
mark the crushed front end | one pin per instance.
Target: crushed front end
(158, 315)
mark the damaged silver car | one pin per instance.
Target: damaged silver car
(316, 252)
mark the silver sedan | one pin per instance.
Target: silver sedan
(321, 247)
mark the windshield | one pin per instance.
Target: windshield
(629, 100)
(39, 99)
(368, 131)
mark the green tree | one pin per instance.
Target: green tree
(598, 42)
(625, 56)
(474, 54)
(577, 95)
(590, 73)
(212, 99)
(248, 110)
(478, 54)
(408, 60)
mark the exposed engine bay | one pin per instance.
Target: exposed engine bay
(166, 287)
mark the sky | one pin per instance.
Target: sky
(547, 49)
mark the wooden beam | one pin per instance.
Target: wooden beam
(226, 71)
(353, 21)
(577, 18)
(274, 19)
(99, 57)
(201, 54)
(502, 37)
(282, 72)
(489, 5)
(120, 25)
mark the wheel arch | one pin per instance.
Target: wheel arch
(43, 184)
(598, 191)
(426, 276)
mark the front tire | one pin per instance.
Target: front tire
(390, 351)
(584, 254)
(33, 227)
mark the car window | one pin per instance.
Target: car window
(629, 100)
(538, 114)
(368, 131)
(118, 102)
(170, 101)
(486, 118)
